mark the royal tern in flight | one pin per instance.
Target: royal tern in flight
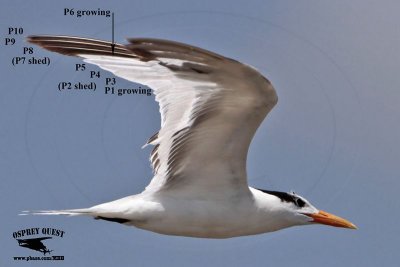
(210, 107)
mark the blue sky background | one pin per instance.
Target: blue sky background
(333, 137)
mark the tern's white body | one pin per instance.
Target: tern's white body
(211, 107)
(253, 212)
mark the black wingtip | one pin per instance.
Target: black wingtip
(37, 38)
(77, 46)
(31, 38)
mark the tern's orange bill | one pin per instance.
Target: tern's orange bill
(324, 217)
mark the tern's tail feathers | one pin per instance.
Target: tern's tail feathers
(95, 213)
(73, 212)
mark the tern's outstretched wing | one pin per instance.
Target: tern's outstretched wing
(210, 106)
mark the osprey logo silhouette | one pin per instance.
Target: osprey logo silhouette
(36, 239)
(35, 244)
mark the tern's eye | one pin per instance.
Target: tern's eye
(300, 203)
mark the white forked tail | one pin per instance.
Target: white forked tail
(73, 212)
(113, 211)
(99, 212)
